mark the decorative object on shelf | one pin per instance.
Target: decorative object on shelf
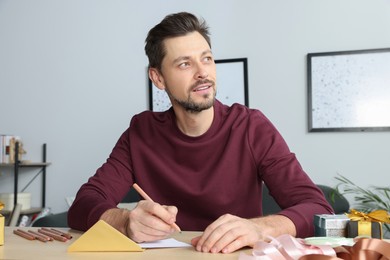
(45, 212)
(7, 148)
(24, 199)
(232, 85)
(366, 200)
(2, 224)
(17, 170)
(14, 217)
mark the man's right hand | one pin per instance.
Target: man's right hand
(148, 221)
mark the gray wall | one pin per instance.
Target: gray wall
(72, 73)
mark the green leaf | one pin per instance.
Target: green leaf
(369, 199)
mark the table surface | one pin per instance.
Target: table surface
(16, 247)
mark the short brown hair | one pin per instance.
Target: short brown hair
(172, 25)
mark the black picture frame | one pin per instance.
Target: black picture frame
(232, 82)
(349, 91)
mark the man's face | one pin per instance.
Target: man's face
(189, 72)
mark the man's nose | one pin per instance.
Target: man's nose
(201, 72)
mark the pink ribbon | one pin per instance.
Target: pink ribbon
(285, 247)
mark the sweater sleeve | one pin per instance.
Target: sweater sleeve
(299, 198)
(105, 189)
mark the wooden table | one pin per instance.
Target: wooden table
(16, 247)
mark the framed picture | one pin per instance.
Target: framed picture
(349, 90)
(232, 85)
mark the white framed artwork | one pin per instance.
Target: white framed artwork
(349, 90)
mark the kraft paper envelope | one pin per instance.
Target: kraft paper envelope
(102, 237)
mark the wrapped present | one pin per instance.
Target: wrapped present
(327, 225)
(1, 225)
(367, 224)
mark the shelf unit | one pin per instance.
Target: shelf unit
(20, 164)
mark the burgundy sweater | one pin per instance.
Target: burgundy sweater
(218, 172)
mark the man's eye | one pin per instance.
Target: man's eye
(184, 64)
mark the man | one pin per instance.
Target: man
(203, 163)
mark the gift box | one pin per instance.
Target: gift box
(364, 228)
(367, 224)
(327, 225)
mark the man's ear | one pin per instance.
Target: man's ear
(156, 78)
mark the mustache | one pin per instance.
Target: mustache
(202, 81)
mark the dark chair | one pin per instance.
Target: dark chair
(131, 196)
(338, 202)
(53, 220)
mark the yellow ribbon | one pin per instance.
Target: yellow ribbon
(377, 216)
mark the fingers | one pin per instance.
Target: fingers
(195, 240)
(150, 221)
(218, 246)
(227, 234)
(141, 233)
(215, 231)
(172, 210)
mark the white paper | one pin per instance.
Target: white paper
(164, 243)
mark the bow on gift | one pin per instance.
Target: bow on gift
(377, 215)
(364, 222)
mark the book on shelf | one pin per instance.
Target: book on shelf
(7, 148)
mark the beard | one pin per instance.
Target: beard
(189, 104)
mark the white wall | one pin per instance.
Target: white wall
(72, 73)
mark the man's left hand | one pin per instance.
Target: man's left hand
(227, 234)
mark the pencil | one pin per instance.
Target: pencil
(40, 237)
(52, 235)
(58, 232)
(24, 234)
(146, 196)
